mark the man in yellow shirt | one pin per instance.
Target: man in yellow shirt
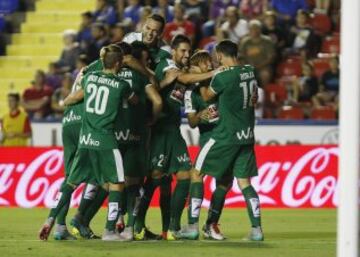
(15, 127)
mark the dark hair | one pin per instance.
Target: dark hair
(83, 58)
(199, 56)
(177, 40)
(112, 55)
(99, 26)
(227, 48)
(158, 18)
(87, 14)
(137, 49)
(125, 47)
(14, 95)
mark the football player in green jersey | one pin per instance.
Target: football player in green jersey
(204, 116)
(168, 153)
(232, 140)
(97, 156)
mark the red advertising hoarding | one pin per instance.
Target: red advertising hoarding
(289, 177)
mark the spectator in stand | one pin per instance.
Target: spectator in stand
(53, 76)
(100, 39)
(253, 9)
(287, 10)
(81, 63)
(15, 128)
(274, 31)
(105, 13)
(144, 13)
(234, 28)
(322, 6)
(306, 86)
(60, 94)
(329, 86)
(302, 37)
(179, 26)
(164, 9)
(258, 50)
(36, 99)
(133, 11)
(218, 7)
(117, 33)
(70, 52)
(84, 34)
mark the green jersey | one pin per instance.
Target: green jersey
(235, 87)
(73, 114)
(103, 94)
(130, 122)
(172, 97)
(157, 53)
(194, 104)
(94, 66)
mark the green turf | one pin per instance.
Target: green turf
(288, 233)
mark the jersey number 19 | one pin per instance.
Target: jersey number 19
(248, 88)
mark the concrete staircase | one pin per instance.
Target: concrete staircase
(38, 43)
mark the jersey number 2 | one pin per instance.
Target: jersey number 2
(97, 100)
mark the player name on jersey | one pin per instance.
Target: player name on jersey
(103, 80)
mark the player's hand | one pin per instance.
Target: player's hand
(205, 115)
(171, 75)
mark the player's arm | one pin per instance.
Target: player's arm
(133, 99)
(154, 97)
(74, 97)
(207, 93)
(191, 78)
(169, 78)
(133, 63)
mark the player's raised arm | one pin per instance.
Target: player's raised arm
(154, 97)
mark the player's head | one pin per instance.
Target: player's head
(125, 47)
(112, 58)
(181, 50)
(153, 29)
(202, 60)
(141, 52)
(226, 49)
(13, 101)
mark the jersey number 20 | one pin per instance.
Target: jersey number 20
(97, 100)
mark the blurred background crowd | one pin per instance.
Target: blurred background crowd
(294, 44)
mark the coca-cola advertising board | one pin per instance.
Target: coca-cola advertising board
(289, 177)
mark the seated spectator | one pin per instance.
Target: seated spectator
(196, 11)
(36, 99)
(329, 86)
(274, 31)
(53, 76)
(60, 94)
(164, 9)
(253, 9)
(133, 11)
(234, 28)
(100, 39)
(322, 6)
(70, 52)
(258, 50)
(286, 10)
(144, 13)
(179, 26)
(84, 34)
(117, 33)
(105, 13)
(301, 35)
(15, 126)
(306, 86)
(218, 7)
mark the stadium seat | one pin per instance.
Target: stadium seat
(289, 67)
(320, 66)
(275, 94)
(321, 24)
(291, 113)
(331, 45)
(323, 113)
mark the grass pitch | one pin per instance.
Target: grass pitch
(288, 233)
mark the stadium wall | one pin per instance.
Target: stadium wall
(289, 177)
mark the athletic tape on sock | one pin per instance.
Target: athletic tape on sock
(113, 211)
(57, 200)
(90, 192)
(255, 207)
(195, 207)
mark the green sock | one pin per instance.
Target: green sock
(95, 206)
(87, 198)
(216, 205)
(64, 201)
(178, 201)
(61, 217)
(113, 210)
(196, 196)
(149, 188)
(165, 202)
(253, 205)
(123, 202)
(132, 192)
